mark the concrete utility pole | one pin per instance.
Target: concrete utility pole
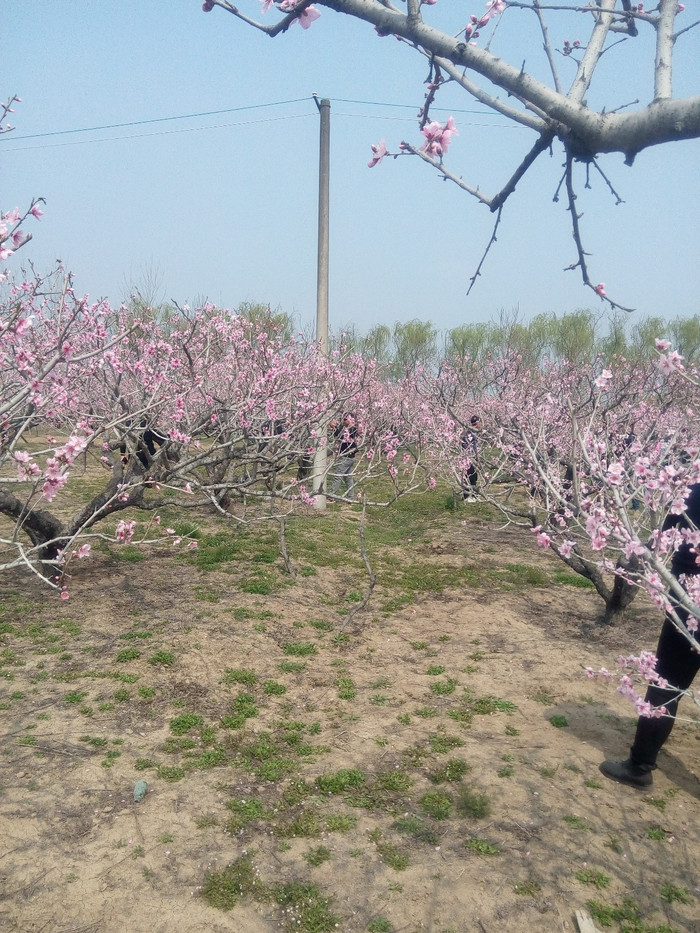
(321, 455)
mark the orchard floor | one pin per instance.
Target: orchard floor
(400, 846)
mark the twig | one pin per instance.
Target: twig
(490, 243)
(283, 547)
(372, 578)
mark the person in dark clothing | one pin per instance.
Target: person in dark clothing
(148, 440)
(678, 661)
(346, 433)
(470, 444)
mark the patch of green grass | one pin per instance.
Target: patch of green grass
(441, 743)
(321, 625)
(340, 823)
(526, 575)
(306, 909)
(396, 780)
(658, 802)
(94, 741)
(437, 804)
(110, 758)
(443, 688)
(136, 636)
(481, 846)
(435, 670)
(273, 688)
(244, 811)
(417, 828)
(75, 697)
(317, 856)
(472, 803)
(462, 716)
(393, 856)
(571, 579)
(670, 893)
(527, 888)
(210, 758)
(484, 706)
(162, 658)
(427, 712)
(576, 822)
(346, 688)
(605, 914)
(242, 707)
(300, 649)
(592, 876)
(128, 554)
(127, 654)
(379, 924)
(559, 722)
(656, 833)
(239, 676)
(451, 772)
(292, 667)
(506, 771)
(341, 781)
(304, 825)
(185, 723)
(224, 889)
(170, 773)
(541, 696)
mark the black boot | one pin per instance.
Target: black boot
(627, 773)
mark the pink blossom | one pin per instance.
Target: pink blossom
(83, 551)
(208, 6)
(671, 362)
(125, 531)
(600, 289)
(438, 137)
(662, 344)
(496, 6)
(36, 211)
(64, 593)
(266, 4)
(379, 151)
(604, 378)
(566, 548)
(307, 16)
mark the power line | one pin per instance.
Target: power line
(191, 129)
(219, 126)
(213, 113)
(184, 116)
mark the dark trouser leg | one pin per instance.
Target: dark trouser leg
(472, 478)
(678, 663)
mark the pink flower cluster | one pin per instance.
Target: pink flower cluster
(438, 137)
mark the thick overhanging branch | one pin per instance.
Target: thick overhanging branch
(585, 131)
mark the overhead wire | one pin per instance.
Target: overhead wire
(208, 113)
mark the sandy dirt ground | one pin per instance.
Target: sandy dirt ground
(81, 724)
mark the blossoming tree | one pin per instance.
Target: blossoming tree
(538, 94)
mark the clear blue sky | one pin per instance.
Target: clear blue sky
(224, 206)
